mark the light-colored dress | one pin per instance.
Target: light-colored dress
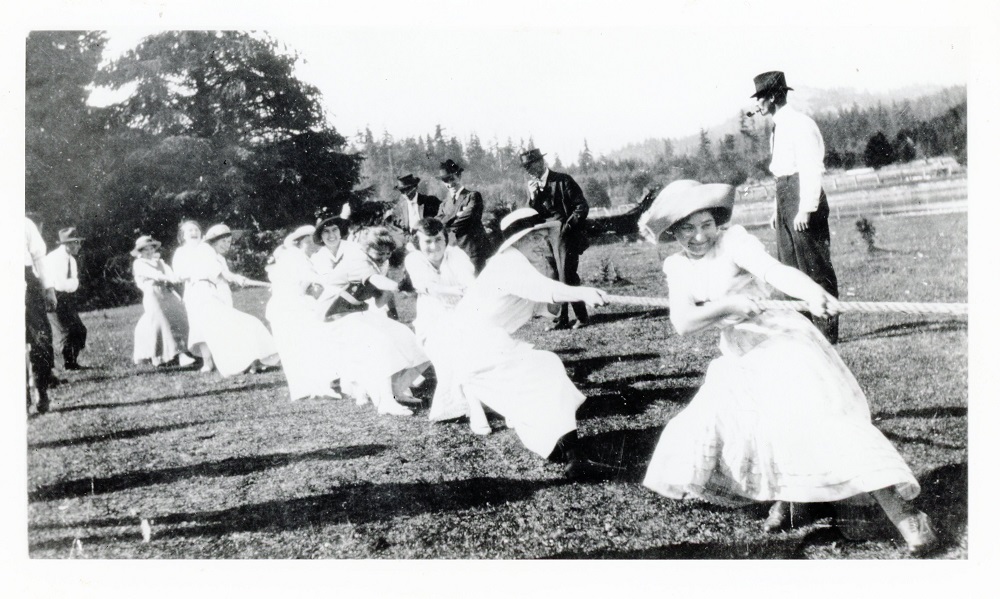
(529, 387)
(374, 347)
(434, 309)
(780, 416)
(308, 353)
(234, 339)
(161, 331)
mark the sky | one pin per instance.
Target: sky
(612, 82)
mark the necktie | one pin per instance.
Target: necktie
(69, 268)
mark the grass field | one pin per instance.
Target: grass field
(230, 468)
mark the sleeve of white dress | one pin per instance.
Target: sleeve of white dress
(463, 268)
(748, 252)
(809, 153)
(36, 251)
(522, 279)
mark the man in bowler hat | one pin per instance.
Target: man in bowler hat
(556, 196)
(462, 212)
(69, 332)
(412, 206)
(801, 209)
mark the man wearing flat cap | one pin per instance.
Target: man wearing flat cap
(801, 211)
(556, 196)
(412, 206)
(69, 335)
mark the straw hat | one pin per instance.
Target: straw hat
(144, 242)
(681, 199)
(68, 234)
(520, 222)
(217, 232)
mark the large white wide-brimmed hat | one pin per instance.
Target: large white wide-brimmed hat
(519, 223)
(144, 242)
(217, 232)
(681, 199)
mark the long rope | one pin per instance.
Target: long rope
(800, 306)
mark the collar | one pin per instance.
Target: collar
(782, 113)
(544, 179)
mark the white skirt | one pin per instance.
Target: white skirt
(528, 387)
(235, 339)
(779, 417)
(162, 329)
(308, 353)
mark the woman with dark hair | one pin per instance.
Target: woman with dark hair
(780, 418)
(225, 338)
(386, 357)
(331, 238)
(462, 213)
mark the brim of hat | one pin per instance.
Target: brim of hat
(533, 160)
(771, 89)
(551, 224)
(71, 239)
(217, 237)
(138, 251)
(318, 233)
(675, 204)
(405, 189)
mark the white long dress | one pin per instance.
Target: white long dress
(162, 329)
(529, 387)
(234, 339)
(434, 309)
(307, 350)
(780, 416)
(374, 347)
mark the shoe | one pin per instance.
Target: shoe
(72, 366)
(579, 324)
(918, 533)
(408, 399)
(393, 409)
(43, 401)
(778, 517)
(559, 326)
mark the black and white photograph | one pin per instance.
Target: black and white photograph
(417, 294)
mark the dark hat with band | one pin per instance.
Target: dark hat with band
(769, 82)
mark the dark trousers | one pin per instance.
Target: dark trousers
(571, 262)
(37, 330)
(69, 333)
(809, 250)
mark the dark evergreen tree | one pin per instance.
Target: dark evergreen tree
(879, 152)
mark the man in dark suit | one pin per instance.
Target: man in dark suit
(412, 205)
(462, 212)
(556, 196)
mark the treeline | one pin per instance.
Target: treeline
(216, 128)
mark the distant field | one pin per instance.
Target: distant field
(230, 468)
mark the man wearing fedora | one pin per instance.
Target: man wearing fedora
(801, 210)
(556, 196)
(412, 206)
(462, 212)
(69, 332)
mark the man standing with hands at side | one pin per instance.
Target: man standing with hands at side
(556, 196)
(801, 209)
(69, 332)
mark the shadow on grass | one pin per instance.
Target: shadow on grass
(944, 495)
(934, 412)
(169, 398)
(897, 438)
(113, 436)
(624, 400)
(582, 368)
(606, 317)
(228, 467)
(353, 504)
(910, 328)
(776, 547)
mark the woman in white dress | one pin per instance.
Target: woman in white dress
(440, 274)
(779, 418)
(308, 361)
(384, 356)
(161, 331)
(226, 339)
(486, 366)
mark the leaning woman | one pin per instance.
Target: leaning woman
(779, 418)
(486, 366)
(226, 339)
(385, 358)
(162, 329)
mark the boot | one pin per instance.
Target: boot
(918, 533)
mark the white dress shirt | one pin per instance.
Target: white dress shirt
(60, 268)
(34, 254)
(797, 147)
(413, 211)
